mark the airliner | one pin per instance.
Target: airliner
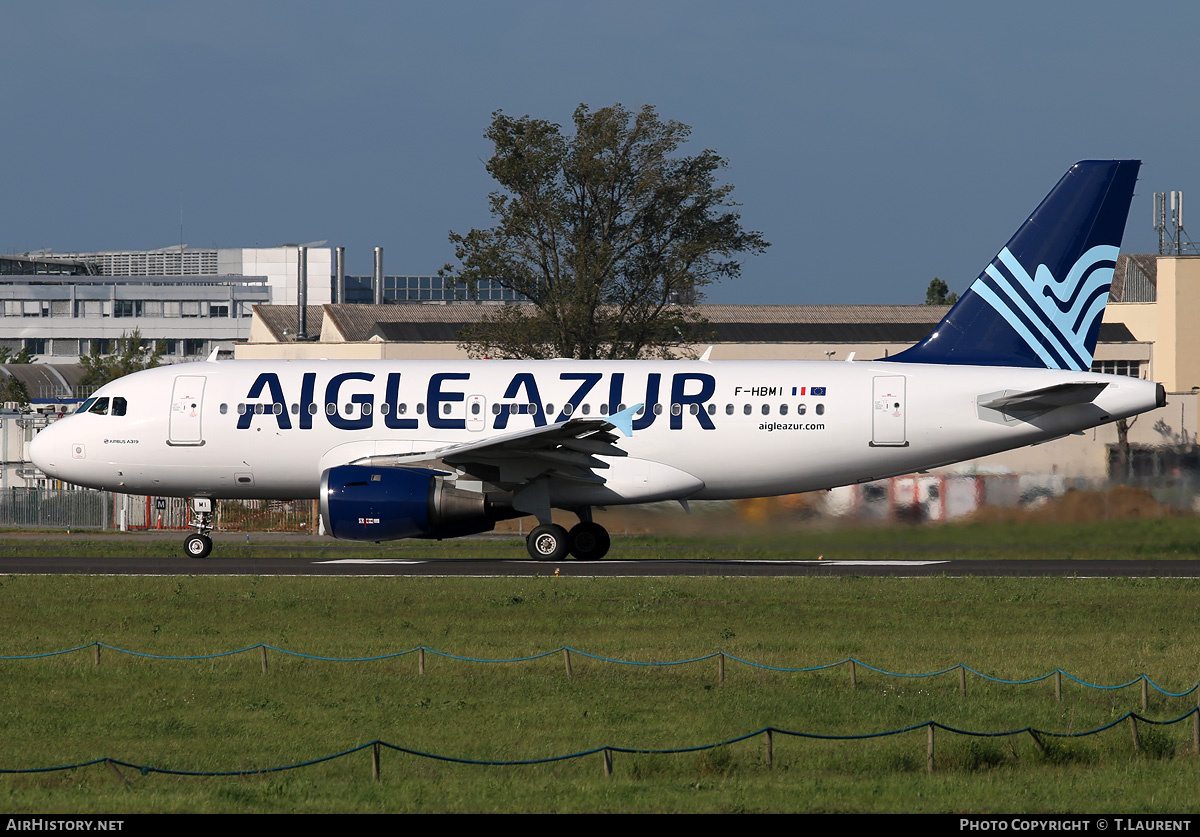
(442, 449)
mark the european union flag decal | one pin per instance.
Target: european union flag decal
(817, 390)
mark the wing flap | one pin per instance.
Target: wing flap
(568, 449)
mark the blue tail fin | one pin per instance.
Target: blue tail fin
(1040, 302)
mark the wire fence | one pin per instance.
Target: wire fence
(51, 508)
(852, 664)
(607, 751)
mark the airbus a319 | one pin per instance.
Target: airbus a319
(441, 449)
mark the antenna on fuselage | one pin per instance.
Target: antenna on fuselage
(212, 356)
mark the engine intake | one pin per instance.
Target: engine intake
(362, 503)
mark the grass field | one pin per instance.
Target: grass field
(704, 536)
(225, 714)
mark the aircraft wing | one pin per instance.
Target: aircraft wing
(568, 449)
(1048, 398)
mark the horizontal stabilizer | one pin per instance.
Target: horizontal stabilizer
(1048, 398)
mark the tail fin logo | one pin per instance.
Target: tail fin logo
(1052, 316)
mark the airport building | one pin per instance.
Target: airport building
(60, 306)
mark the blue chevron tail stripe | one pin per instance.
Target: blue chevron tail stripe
(1041, 300)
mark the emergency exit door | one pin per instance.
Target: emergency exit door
(887, 413)
(187, 397)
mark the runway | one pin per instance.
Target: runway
(322, 565)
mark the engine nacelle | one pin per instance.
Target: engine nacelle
(361, 503)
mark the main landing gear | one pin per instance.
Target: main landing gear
(199, 544)
(587, 541)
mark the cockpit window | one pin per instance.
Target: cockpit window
(100, 408)
(85, 406)
(118, 406)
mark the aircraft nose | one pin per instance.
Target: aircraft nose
(44, 450)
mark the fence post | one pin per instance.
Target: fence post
(1145, 693)
(769, 750)
(1058, 684)
(375, 761)
(720, 666)
(853, 675)
(1037, 742)
(96, 654)
(262, 653)
(962, 680)
(929, 750)
(607, 754)
(567, 661)
(1137, 742)
(120, 777)
(421, 660)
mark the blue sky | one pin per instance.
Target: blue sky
(875, 144)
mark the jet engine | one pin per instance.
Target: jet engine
(362, 503)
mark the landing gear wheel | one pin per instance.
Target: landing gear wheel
(198, 546)
(588, 541)
(548, 543)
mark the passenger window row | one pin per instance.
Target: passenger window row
(513, 409)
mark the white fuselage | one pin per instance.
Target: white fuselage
(713, 430)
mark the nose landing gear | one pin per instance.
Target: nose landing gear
(199, 544)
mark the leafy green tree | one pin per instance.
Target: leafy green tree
(23, 356)
(938, 293)
(132, 354)
(611, 233)
(13, 390)
(10, 388)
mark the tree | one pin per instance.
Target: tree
(611, 233)
(132, 354)
(10, 388)
(1124, 454)
(23, 356)
(938, 293)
